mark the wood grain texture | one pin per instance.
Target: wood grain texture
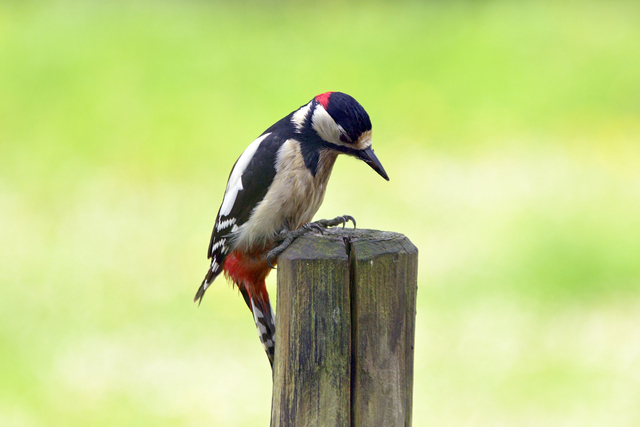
(345, 330)
(384, 317)
(312, 372)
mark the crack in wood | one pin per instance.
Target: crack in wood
(353, 306)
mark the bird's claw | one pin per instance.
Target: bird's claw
(339, 220)
(271, 256)
(313, 226)
(347, 218)
(319, 226)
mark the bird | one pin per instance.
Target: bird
(275, 188)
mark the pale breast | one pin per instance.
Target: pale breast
(293, 198)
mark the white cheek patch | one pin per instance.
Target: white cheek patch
(326, 127)
(235, 182)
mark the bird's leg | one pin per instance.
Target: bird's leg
(288, 236)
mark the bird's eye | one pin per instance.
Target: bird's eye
(344, 138)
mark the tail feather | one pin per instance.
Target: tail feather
(212, 273)
(248, 273)
(266, 325)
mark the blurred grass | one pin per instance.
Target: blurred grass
(509, 130)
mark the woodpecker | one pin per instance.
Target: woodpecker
(274, 189)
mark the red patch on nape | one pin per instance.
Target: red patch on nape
(323, 99)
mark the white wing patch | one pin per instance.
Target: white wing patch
(226, 223)
(217, 245)
(235, 181)
(214, 266)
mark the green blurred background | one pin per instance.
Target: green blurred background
(510, 131)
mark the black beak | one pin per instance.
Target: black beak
(369, 157)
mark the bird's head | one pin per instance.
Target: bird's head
(343, 125)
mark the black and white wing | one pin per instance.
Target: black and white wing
(248, 183)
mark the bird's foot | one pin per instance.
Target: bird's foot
(287, 237)
(339, 220)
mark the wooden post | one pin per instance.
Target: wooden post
(345, 330)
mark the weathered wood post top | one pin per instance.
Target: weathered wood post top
(345, 329)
